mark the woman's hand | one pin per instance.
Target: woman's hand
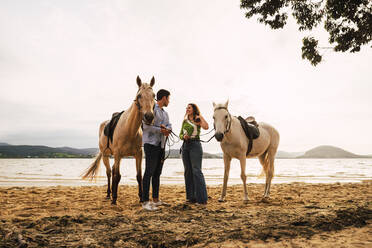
(201, 122)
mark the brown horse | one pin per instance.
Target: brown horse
(127, 139)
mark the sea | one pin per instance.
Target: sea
(67, 172)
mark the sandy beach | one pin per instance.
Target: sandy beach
(297, 215)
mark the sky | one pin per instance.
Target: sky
(66, 66)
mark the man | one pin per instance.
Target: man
(154, 145)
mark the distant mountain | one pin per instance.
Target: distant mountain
(24, 151)
(330, 152)
(85, 151)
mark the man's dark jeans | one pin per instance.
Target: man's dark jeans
(154, 155)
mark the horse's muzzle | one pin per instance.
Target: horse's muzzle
(148, 117)
(219, 136)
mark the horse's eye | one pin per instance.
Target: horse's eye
(214, 117)
(225, 116)
(153, 95)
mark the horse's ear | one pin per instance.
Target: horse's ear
(139, 82)
(214, 105)
(227, 103)
(152, 82)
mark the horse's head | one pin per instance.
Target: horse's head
(145, 100)
(221, 120)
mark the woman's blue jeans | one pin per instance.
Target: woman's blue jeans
(192, 153)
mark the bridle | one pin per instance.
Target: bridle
(138, 97)
(228, 124)
(137, 102)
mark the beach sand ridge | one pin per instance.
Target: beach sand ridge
(297, 215)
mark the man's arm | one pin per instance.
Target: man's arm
(167, 124)
(150, 128)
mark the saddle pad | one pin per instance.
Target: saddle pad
(110, 127)
(251, 131)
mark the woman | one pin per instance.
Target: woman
(192, 153)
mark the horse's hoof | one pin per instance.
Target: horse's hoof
(245, 201)
(108, 197)
(265, 199)
(113, 203)
(221, 200)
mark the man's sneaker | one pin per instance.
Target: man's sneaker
(148, 206)
(159, 203)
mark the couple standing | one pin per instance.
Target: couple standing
(154, 138)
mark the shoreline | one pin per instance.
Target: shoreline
(164, 183)
(297, 214)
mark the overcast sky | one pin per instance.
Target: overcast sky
(65, 66)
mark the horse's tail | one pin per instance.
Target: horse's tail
(91, 172)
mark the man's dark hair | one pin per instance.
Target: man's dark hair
(161, 93)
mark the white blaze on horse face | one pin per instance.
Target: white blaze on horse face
(146, 101)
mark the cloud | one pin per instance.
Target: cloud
(65, 66)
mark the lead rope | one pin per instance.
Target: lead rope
(170, 141)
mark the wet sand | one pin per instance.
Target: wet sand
(297, 215)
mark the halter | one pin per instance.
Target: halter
(137, 102)
(228, 126)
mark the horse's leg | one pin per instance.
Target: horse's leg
(108, 174)
(115, 179)
(243, 161)
(269, 173)
(227, 162)
(139, 174)
(267, 162)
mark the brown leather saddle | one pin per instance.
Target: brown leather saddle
(250, 127)
(110, 127)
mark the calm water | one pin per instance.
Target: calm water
(53, 172)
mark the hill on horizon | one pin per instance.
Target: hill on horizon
(330, 152)
(29, 151)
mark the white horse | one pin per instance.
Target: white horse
(234, 144)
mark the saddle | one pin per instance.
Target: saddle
(110, 127)
(250, 127)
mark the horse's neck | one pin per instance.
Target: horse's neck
(134, 119)
(234, 131)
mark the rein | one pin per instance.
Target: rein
(173, 139)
